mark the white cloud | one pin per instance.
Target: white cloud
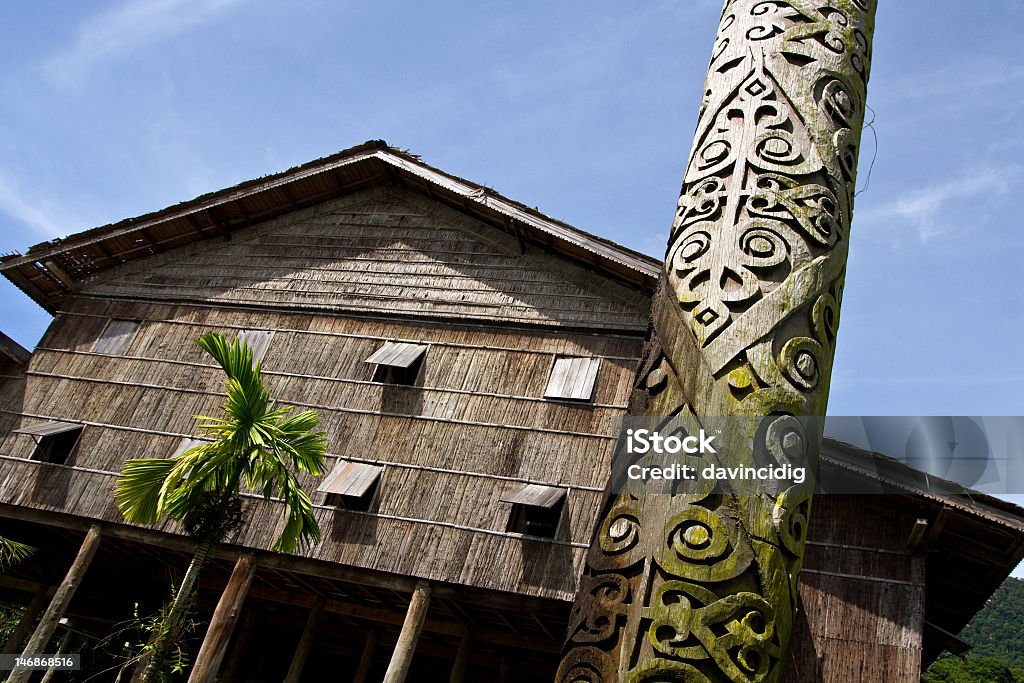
(37, 216)
(116, 32)
(922, 208)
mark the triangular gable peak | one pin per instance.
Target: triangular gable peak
(52, 269)
(383, 251)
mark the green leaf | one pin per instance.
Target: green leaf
(253, 439)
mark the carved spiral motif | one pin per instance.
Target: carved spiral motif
(833, 40)
(786, 440)
(837, 101)
(596, 620)
(825, 318)
(619, 532)
(790, 516)
(690, 250)
(777, 147)
(697, 545)
(800, 361)
(619, 536)
(584, 665)
(763, 247)
(702, 202)
(768, 29)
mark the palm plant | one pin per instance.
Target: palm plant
(255, 442)
(12, 552)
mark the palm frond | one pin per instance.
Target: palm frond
(12, 552)
(254, 440)
(139, 486)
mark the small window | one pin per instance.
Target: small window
(258, 341)
(351, 485)
(187, 443)
(398, 363)
(55, 441)
(572, 378)
(536, 510)
(116, 337)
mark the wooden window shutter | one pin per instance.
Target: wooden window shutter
(258, 341)
(398, 362)
(351, 485)
(572, 378)
(55, 440)
(116, 337)
(536, 509)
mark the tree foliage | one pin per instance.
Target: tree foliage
(254, 442)
(998, 629)
(997, 634)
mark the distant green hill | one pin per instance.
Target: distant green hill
(998, 629)
(997, 634)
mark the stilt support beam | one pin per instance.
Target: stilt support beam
(223, 622)
(59, 604)
(405, 648)
(27, 621)
(462, 658)
(366, 660)
(305, 645)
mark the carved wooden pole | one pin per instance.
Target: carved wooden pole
(701, 586)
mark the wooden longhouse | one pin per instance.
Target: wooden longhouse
(468, 357)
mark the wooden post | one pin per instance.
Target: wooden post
(59, 604)
(27, 621)
(366, 660)
(462, 658)
(405, 648)
(237, 658)
(701, 584)
(61, 649)
(305, 645)
(223, 622)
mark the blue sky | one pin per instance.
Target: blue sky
(585, 110)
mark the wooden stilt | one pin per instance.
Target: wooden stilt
(64, 643)
(233, 669)
(462, 658)
(27, 621)
(223, 622)
(405, 648)
(305, 645)
(55, 611)
(366, 660)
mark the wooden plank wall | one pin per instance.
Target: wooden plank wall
(475, 427)
(385, 250)
(862, 594)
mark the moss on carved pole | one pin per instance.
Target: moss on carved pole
(702, 586)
